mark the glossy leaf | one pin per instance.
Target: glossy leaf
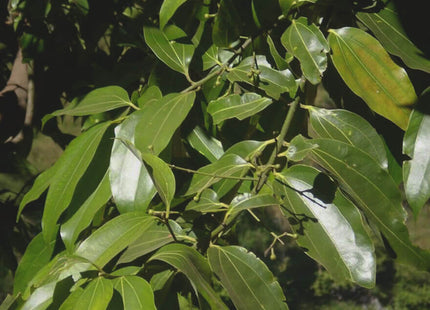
(350, 128)
(206, 202)
(328, 225)
(99, 100)
(246, 148)
(131, 185)
(287, 5)
(227, 166)
(416, 171)
(175, 55)
(71, 229)
(240, 107)
(114, 236)
(96, 296)
(258, 72)
(71, 167)
(210, 58)
(247, 280)
(168, 9)
(150, 94)
(307, 43)
(36, 256)
(159, 121)
(40, 185)
(370, 73)
(162, 177)
(194, 266)
(154, 237)
(248, 201)
(386, 25)
(41, 298)
(370, 187)
(281, 63)
(206, 145)
(136, 293)
(226, 25)
(72, 299)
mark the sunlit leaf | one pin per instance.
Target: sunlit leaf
(327, 225)
(370, 73)
(281, 63)
(136, 293)
(248, 201)
(240, 107)
(307, 43)
(206, 145)
(387, 26)
(96, 296)
(131, 185)
(248, 281)
(416, 171)
(159, 121)
(206, 202)
(194, 266)
(370, 187)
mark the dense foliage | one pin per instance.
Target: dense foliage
(203, 112)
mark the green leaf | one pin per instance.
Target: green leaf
(72, 299)
(248, 281)
(348, 127)
(175, 55)
(162, 177)
(114, 236)
(247, 201)
(71, 229)
(370, 73)
(40, 185)
(287, 5)
(126, 271)
(194, 266)
(150, 94)
(386, 25)
(71, 167)
(41, 298)
(136, 293)
(207, 202)
(281, 63)
(96, 296)
(307, 43)
(159, 121)
(247, 148)
(206, 145)
(416, 171)
(210, 58)
(226, 25)
(131, 185)
(258, 72)
(227, 166)
(328, 225)
(37, 255)
(97, 101)
(265, 12)
(240, 107)
(168, 9)
(155, 236)
(371, 188)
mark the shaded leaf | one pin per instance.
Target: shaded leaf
(154, 237)
(416, 171)
(331, 229)
(265, 12)
(386, 25)
(227, 166)
(246, 148)
(37, 255)
(206, 145)
(370, 73)
(348, 127)
(258, 72)
(71, 167)
(307, 43)
(240, 107)
(370, 187)
(159, 121)
(175, 55)
(136, 293)
(194, 266)
(96, 296)
(226, 25)
(162, 177)
(281, 62)
(71, 229)
(150, 94)
(72, 299)
(207, 202)
(168, 9)
(248, 281)
(131, 185)
(114, 236)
